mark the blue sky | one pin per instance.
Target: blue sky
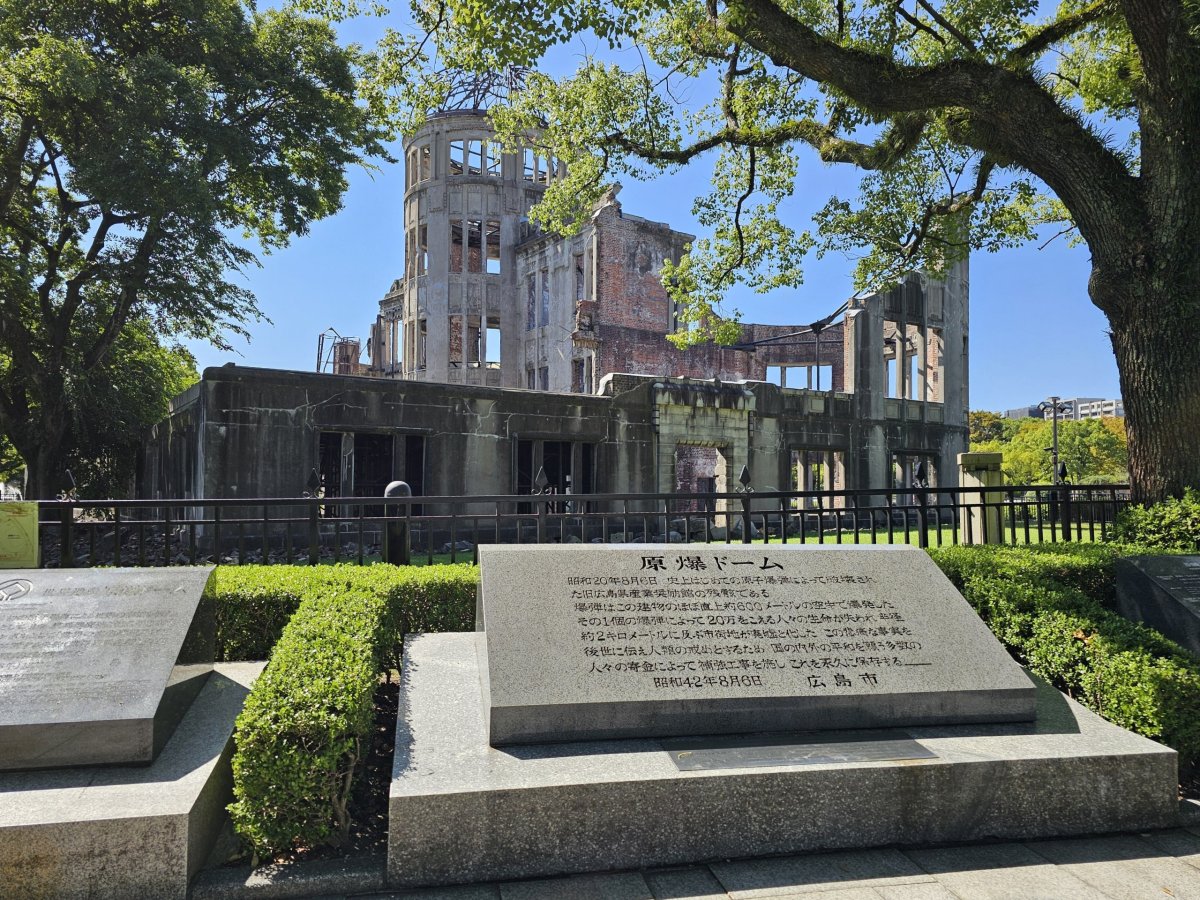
(1033, 330)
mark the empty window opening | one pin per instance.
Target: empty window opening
(458, 157)
(544, 165)
(474, 337)
(491, 347)
(494, 159)
(329, 454)
(579, 279)
(456, 341)
(544, 315)
(373, 454)
(529, 159)
(422, 341)
(818, 470)
(544, 378)
(422, 249)
(456, 246)
(474, 157)
(530, 303)
(530, 378)
(475, 246)
(912, 470)
(578, 376)
(807, 377)
(569, 468)
(426, 156)
(493, 247)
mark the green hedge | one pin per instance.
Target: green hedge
(1047, 604)
(1170, 525)
(307, 723)
(254, 603)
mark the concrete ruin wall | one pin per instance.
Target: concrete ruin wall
(254, 433)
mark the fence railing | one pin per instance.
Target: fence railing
(355, 529)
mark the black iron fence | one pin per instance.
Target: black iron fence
(309, 530)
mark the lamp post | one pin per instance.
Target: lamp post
(1056, 407)
(1057, 469)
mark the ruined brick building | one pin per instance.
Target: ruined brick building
(501, 351)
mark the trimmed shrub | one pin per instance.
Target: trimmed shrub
(1170, 525)
(307, 723)
(254, 603)
(1047, 605)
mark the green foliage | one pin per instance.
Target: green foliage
(1093, 450)
(113, 406)
(307, 724)
(1047, 604)
(729, 83)
(984, 426)
(135, 140)
(1170, 525)
(979, 124)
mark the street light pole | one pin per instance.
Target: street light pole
(1055, 408)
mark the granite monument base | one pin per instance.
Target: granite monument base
(120, 832)
(463, 811)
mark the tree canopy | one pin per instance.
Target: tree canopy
(1093, 450)
(978, 124)
(140, 144)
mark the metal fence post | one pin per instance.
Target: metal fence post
(397, 543)
(67, 537)
(314, 539)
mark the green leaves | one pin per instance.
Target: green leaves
(1046, 604)
(136, 141)
(308, 720)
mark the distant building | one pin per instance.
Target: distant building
(1023, 412)
(1095, 409)
(1080, 408)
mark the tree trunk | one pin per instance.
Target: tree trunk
(42, 444)
(1157, 345)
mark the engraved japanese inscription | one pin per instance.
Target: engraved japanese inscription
(646, 639)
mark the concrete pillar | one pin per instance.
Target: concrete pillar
(978, 525)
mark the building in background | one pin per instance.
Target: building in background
(501, 352)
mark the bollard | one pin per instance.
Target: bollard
(397, 543)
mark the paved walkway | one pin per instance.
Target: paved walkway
(1155, 865)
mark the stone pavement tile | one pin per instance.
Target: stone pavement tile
(1178, 842)
(931, 891)
(619, 886)
(836, 894)
(1001, 872)
(459, 892)
(684, 884)
(808, 874)
(1123, 867)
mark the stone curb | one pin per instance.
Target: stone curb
(362, 875)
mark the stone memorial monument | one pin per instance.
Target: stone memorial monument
(115, 731)
(1162, 592)
(98, 666)
(660, 704)
(717, 639)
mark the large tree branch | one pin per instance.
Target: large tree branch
(139, 267)
(1006, 114)
(897, 140)
(1061, 29)
(14, 158)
